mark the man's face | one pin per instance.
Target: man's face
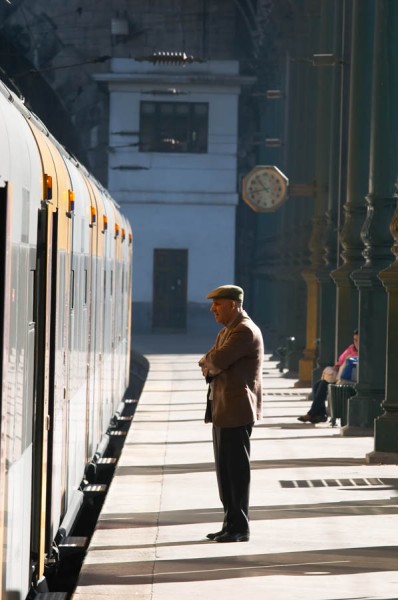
(223, 310)
(356, 340)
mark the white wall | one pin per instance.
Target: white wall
(176, 200)
(174, 171)
(204, 231)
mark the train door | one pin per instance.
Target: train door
(45, 436)
(94, 400)
(53, 435)
(93, 405)
(170, 290)
(40, 481)
(52, 360)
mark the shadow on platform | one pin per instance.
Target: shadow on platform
(173, 343)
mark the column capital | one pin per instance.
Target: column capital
(389, 277)
(309, 276)
(367, 277)
(342, 275)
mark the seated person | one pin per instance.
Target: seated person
(317, 412)
(348, 372)
(351, 351)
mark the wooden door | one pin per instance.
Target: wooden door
(170, 290)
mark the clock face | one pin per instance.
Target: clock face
(264, 188)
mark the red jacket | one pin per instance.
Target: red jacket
(348, 353)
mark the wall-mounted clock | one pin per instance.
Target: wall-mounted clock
(264, 188)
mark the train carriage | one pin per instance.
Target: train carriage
(78, 330)
(20, 192)
(65, 324)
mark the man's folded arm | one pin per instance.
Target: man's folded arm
(238, 345)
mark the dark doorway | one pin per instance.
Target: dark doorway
(170, 290)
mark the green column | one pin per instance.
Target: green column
(296, 213)
(381, 203)
(386, 426)
(335, 43)
(319, 221)
(357, 171)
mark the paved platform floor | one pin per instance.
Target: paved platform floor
(324, 524)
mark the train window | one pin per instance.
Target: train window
(61, 291)
(25, 216)
(32, 295)
(72, 289)
(174, 126)
(82, 235)
(85, 286)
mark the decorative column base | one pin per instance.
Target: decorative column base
(306, 367)
(386, 438)
(362, 411)
(350, 431)
(386, 426)
(307, 363)
(365, 407)
(382, 458)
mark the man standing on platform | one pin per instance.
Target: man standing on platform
(233, 369)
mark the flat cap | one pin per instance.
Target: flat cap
(231, 292)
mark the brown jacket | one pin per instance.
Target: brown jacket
(237, 390)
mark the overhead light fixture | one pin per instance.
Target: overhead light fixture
(171, 141)
(170, 58)
(167, 92)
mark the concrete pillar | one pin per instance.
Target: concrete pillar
(381, 203)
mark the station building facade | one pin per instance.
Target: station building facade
(173, 141)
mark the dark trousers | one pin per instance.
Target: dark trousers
(232, 457)
(319, 393)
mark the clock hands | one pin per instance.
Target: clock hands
(264, 188)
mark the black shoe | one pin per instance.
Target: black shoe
(232, 537)
(319, 419)
(212, 536)
(304, 419)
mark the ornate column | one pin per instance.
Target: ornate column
(327, 289)
(381, 203)
(386, 426)
(357, 172)
(299, 149)
(316, 242)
